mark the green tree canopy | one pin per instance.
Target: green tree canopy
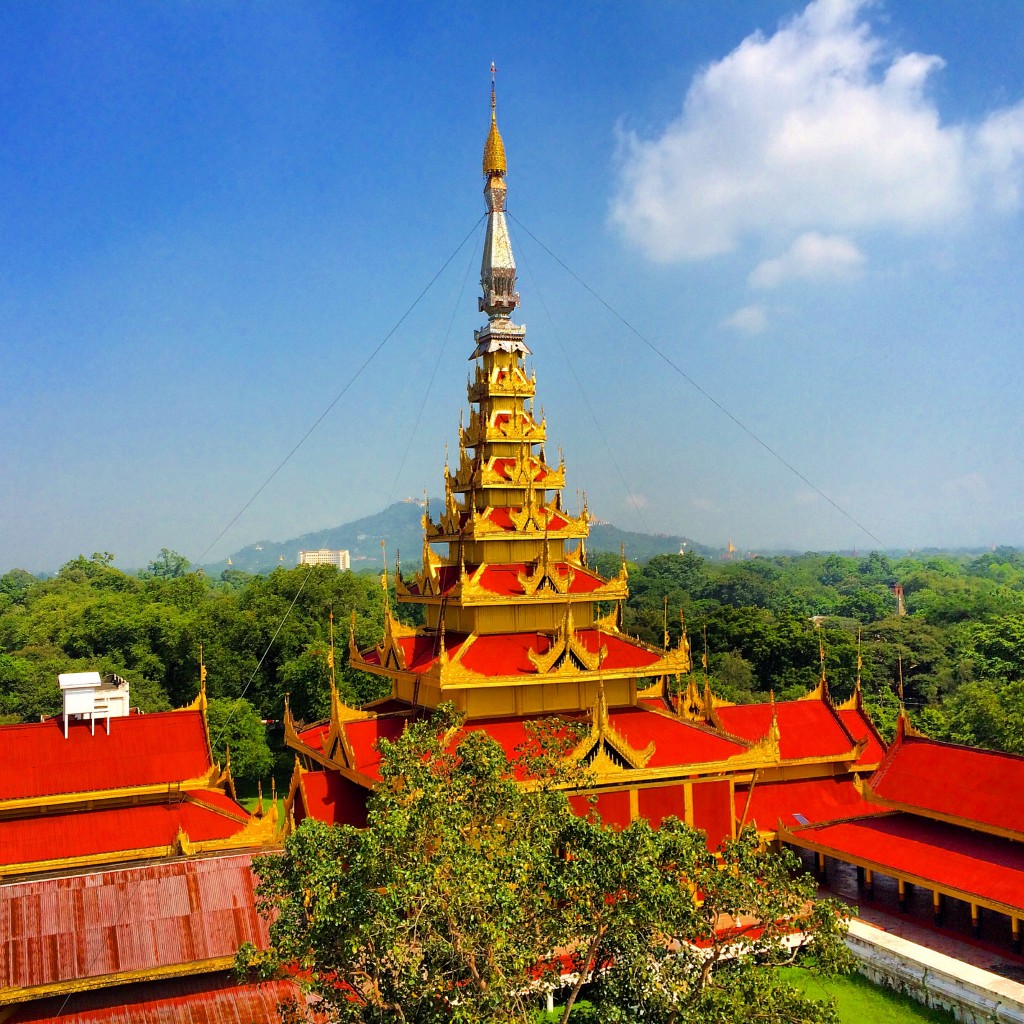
(236, 725)
(472, 888)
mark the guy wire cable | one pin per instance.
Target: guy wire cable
(579, 386)
(302, 440)
(682, 373)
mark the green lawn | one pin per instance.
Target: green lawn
(250, 803)
(858, 1000)
(862, 1002)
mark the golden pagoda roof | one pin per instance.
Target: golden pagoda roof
(494, 148)
(494, 151)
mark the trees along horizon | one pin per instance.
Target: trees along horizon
(964, 623)
(474, 887)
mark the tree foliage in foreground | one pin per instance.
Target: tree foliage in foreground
(470, 891)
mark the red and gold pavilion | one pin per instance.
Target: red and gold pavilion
(518, 626)
(126, 881)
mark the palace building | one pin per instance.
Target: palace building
(126, 883)
(518, 626)
(126, 863)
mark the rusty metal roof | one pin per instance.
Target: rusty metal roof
(131, 919)
(207, 999)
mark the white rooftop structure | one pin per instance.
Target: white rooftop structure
(90, 695)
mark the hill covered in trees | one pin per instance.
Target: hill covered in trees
(400, 527)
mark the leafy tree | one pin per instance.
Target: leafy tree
(236, 725)
(168, 565)
(468, 879)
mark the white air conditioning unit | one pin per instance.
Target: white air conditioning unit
(88, 695)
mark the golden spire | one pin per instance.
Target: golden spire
(494, 148)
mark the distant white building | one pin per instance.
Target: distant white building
(325, 556)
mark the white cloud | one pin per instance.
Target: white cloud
(821, 126)
(811, 257)
(748, 320)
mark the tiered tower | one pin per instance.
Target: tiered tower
(516, 622)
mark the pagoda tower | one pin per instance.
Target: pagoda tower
(516, 623)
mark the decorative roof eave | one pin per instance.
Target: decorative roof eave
(254, 833)
(604, 736)
(13, 995)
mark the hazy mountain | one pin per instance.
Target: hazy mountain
(399, 526)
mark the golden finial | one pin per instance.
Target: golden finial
(494, 148)
(330, 654)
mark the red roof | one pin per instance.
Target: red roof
(202, 816)
(675, 742)
(861, 727)
(202, 999)
(797, 803)
(506, 654)
(807, 728)
(504, 466)
(141, 750)
(980, 786)
(328, 796)
(504, 579)
(363, 737)
(131, 919)
(502, 517)
(952, 857)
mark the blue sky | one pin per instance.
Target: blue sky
(211, 214)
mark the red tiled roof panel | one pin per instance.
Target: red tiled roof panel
(364, 736)
(504, 579)
(507, 653)
(200, 999)
(141, 750)
(328, 796)
(807, 728)
(675, 742)
(130, 919)
(313, 736)
(976, 785)
(220, 801)
(813, 800)
(950, 856)
(92, 832)
(860, 728)
(502, 518)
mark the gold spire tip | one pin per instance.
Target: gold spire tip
(494, 147)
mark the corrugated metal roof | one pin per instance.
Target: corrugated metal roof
(131, 919)
(141, 750)
(207, 999)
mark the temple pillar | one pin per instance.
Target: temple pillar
(938, 906)
(901, 893)
(975, 920)
(1015, 928)
(869, 883)
(860, 878)
(822, 872)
